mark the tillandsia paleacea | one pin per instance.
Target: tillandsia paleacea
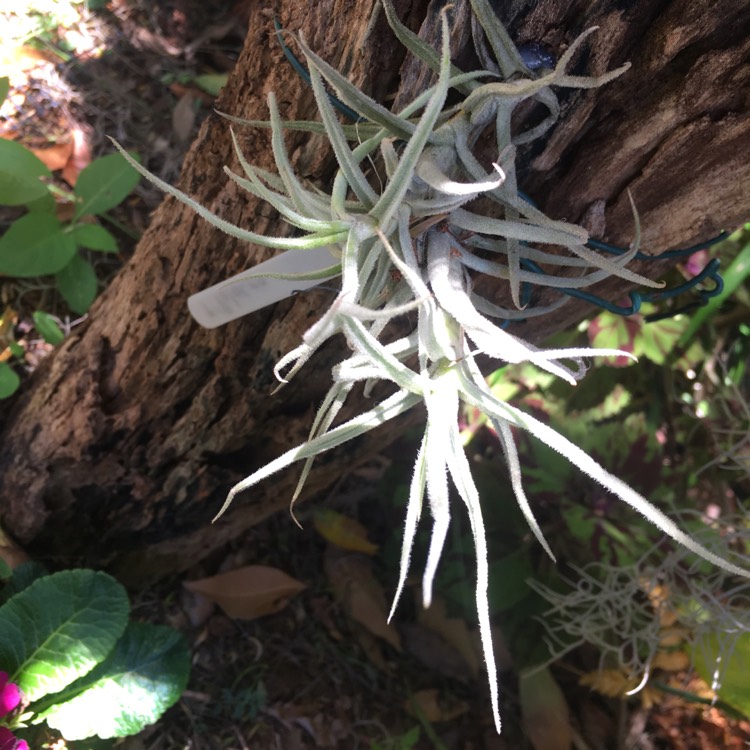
(405, 241)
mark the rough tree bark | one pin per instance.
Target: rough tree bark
(124, 447)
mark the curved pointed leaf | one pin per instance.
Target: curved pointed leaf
(48, 328)
(59, 628)
(104, 184)
(77, 284)
(20, 171)
(94, 237)
(9, 380)
(141, 678)
(35, 245)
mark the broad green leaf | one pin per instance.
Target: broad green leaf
(35, 245)
(21, 578)
(16, 349)
(580, 522)
(4, 88)
(9, 380)
(46, 204)
(20, 171)
(77, 284)
(733, 667)
(48, 328)
(610, 331)
(508, 580)
(94, 237)
(658, 339)
(59, 628)
(142, 677)
(104, 184)
(211, 83)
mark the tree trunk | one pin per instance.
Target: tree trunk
(125, 444)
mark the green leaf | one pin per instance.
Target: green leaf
(610, 331)
(4, 88)
(16, 349)
(9, 380)
(734, 276)
(22, 577)
(141, 678)
(46, 204)
(104, 184)
(59, 628)
(657, 339)
(35, 245)
(733, 667)
(94, 237)
(77, 284)
(508, 580)
(5, 573)
(211, 83)
(48, 328)
(20, 171)
(580, 522)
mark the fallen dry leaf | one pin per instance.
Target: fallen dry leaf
(453, 630)
(16, 62)
(433, 706)
(671, 661)
(56, 156)
(249, 592)
(613, 683)
(183, 118)
(179, 90)
(343, 531)
(544, 711)
(360, 594)
(432, 650)
(80, 158)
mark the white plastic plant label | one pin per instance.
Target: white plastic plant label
(247, 291)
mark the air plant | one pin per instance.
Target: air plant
(408, 245)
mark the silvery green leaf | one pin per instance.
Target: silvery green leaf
(441, 400)
(347, 164)
(508, 58)
(294, 188)
(391, 407)
(358, 101)
(413, 512)
(282, 243)
(431, 173)
(585, 463)
(419, 47)
(392, 196)
(514, 469)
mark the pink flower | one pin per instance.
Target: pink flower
(10, 696)
(8, 740)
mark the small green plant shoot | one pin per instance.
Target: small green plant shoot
(38, 243)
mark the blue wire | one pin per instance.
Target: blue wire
(305, 76)
(711, 271)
